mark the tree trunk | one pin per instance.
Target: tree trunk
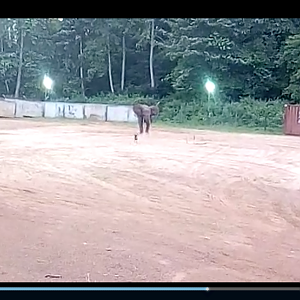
(20, 64)
(109, 67)
(1, 44)
(151, 54)
(7, 86)
(123, 63)
(9, 33)
(81, 66)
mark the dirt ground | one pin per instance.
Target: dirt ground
(84, 201)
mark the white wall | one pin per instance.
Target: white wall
(7, 109)
(98, 110)
(73, 111)
(54, 110)
(118, 113)
(35, 109)
(29, 109)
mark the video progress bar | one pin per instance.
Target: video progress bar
(254, 289)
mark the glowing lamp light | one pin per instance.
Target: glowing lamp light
(47, 82)
(210, 86)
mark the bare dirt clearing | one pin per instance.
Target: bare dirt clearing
(82, 200)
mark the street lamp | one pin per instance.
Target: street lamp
(48, 84)
(210, 87)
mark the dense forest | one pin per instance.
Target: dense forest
(254, 63)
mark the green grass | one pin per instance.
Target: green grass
(221, 128)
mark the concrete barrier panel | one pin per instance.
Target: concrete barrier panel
(9, 99)
(118, 113)
(29, 109)
(132, 116)
(7, 109)
(54, 110)
(73, 111)
(95, 110)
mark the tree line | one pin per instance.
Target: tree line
(164, 58)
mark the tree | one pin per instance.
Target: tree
(103, 33)
(157, 57)
(125, 28)
(70, 40)
(20, 61)
(152, 44)
(242, 55)
(123, 60)
(21, 27)
(8, 64)
(292, 59)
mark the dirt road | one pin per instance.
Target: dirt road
(83, 201)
